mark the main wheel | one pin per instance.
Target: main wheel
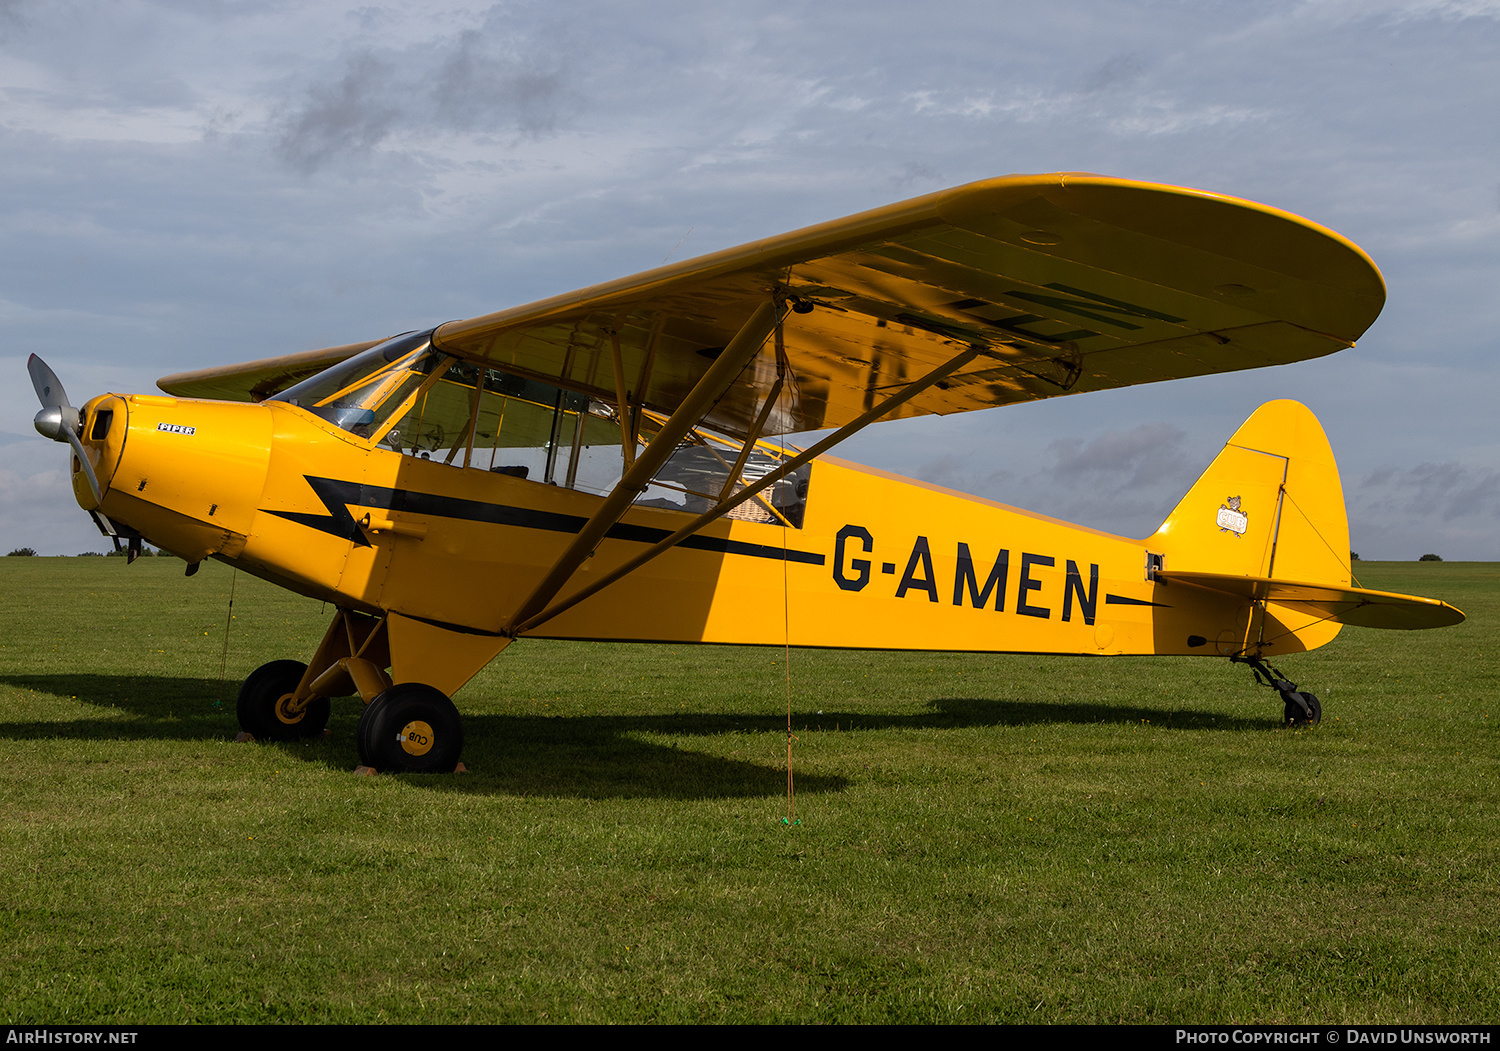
(1294, 715)
(265, 697)
(411, 728)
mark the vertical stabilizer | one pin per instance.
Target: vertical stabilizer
(1270, 505)
(1266, 522)
(1269, 511)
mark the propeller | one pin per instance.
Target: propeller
(58, 420)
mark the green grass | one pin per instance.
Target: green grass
(981, 838)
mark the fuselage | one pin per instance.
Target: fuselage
(878, 562)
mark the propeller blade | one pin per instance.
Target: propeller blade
(88, 470)
(58, 419)
(48, 387)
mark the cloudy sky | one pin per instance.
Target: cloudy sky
(191, 182)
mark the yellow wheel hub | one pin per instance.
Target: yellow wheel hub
(416, 737)
(288, 710)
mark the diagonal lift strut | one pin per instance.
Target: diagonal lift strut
(534, 618)
(704, 395)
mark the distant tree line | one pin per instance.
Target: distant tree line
(30, 552)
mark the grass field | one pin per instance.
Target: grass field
(1009, 839)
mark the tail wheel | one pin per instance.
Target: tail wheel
(1300, 708)
(411, 728)
(1294, 714)
(265, 707)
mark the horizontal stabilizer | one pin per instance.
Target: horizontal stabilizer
(1360, 607)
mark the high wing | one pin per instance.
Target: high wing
(258, 380)
(1065, 283)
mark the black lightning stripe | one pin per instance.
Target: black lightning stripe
(1122, 600)
(337, 496)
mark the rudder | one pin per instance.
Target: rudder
(1270, 505)
(1269, 511)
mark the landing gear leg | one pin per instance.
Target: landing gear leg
(1300, 707)
(287, 700)
(406, 727)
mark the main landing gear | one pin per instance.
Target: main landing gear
(1300, 708)
(268, 708)
(411, 727)
(406, 727)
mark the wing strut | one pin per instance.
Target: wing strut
(772, 397)
(953, 364)
(709, 389)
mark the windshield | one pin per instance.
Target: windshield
(361, 393)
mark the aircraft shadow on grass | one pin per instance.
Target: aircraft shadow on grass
(590, 756)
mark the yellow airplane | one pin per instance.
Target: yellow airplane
(606, 464)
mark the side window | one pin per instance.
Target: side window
(702, 471)
(493, 421)
(436, 424)
(466, 416)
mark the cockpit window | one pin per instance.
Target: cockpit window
(361, 393)
(413, 399)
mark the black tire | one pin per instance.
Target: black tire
(1293, 714)
(411, 728)
(260, 704)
